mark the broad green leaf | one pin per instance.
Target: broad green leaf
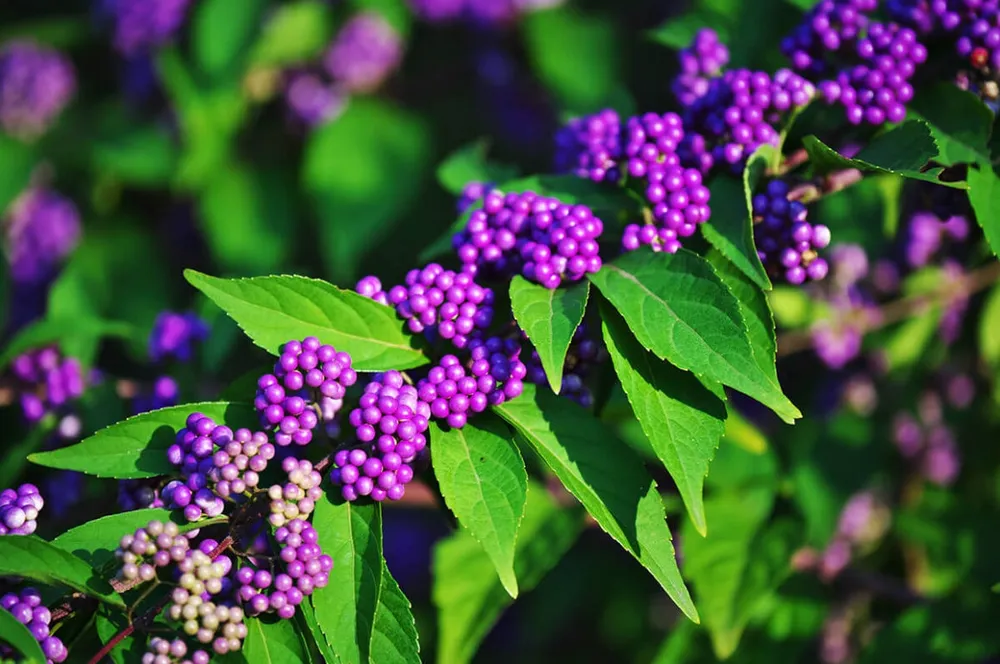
(295, 32)
(469, 164)
(984, 195)
(17, 635)
(904, 151)
(679, 308)
(137, 447)
(221, 33)
(483, 481)
(677, 33)
(76, 337)
(989, 323)
(33, 558)
(362, 611)
(583, 79)
(396, 12)
(606, 477)
(550, 318)
(730, 229)
(739, 565)
(271, 640)
(326, 650)
(467, 592)
(682, 420)
(15, 169)
(959, 121)
(361, 173)
(277, 309)
(138, 153)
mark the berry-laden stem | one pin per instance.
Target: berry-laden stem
(901, 309)
(148, 617)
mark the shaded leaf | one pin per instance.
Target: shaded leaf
(326, 650)
(469, 164)
(221, 33)
(550, 318)
(295, 32)
(984, 195)
(15, 169)
(483, 481)
(17, 635)
(33, 558)
(271, 640)
(959, 121)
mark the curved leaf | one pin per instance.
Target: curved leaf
(17, 635)
(34, 558)
(271, 640)
(136, 447)
(604, 475)
(276, 309)
(959, 122)
(549, 316)
(484, 482)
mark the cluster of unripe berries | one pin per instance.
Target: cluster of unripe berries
(788, 245)
(307, 373)
(26, 607)
(156, 545)
(297, 498)
(19, 510)
(46, 381)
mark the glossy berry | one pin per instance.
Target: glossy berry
(591, 147)
(788, 245)
(19, 510)
(27, 608)
(702, 60)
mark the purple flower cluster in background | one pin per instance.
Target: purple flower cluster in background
(36, 83)
(141, 25)
(311, 98)
(927, 233)
(41, 229)
(19, 510)
(174, 335)
(27, 608)
(700, 62)
(46, 381)
(926, 440)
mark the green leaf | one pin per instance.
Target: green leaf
(33, 558)
(550, 318)
(959, 121)
(362, 610)
(17, 635)
(271, 640)
(396, 12)
(15, 169)
(989, 323)
(677, 33)
(467, 592)
(274, 310)
(679, 308)
(469, 164)
(221, 33)
(76, 337)
(738, 566)
(326, 650)
(137, 447)
(907, 344)
(604, 475)
(682, 420)
(295, 32)
(903, 151)
(361, 173)
(140, 154)
(730, 229)
(984, 195)
(484, 482)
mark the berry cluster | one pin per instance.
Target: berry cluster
(472, 193)
(40, 230)
(19, 510)
(46, 381)
(26, 607)
(680, 203)
(141, 25)
(546, 241)
(700, 62)
(590, 147)
(157, 544)
(306, 372)
(174, 334)
(36, 83)
(583, 355)
(363, 54)
(831, 27)
(651, 142)
(437, 302)
(788, 245)
(306, 568)
(297, 498)
(162, 651)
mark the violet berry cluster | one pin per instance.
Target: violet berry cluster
(27, 608)
(437, 302)
(701, 61)
(788, 245)
(307, 377)
(582, 356)
(36, 83)
(680, 203)
(46, 381)
(174, 336)
(19, 510)
(142, 25)
(472, 193)
(591, 147)
(41, 229)
(390, 424)
(541, 238)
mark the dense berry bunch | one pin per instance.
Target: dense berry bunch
(787, 243)
(739, 112)
(174, 335)
(311, 98)
(297, 498)
(40, 231)
(141, 25)
(376, 474)
(831, 27)
(680, 203)
(472, 193)
(651, 142)
(547, 241)
(453, 393)
(139, 494)
(590, 147)
(158, 544)
(26, 607)
(583, 354)
(46, 381)
(306, 568)
(306, 372)
(19, 510)
(36, 83)
(364, 53)
(700, 62)
(438, 302)
(175, 651)
(979, 40)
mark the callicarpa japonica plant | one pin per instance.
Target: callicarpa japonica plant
(399, 331)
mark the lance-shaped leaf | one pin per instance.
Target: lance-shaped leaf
(606, 476)
(682, 420)
(326, 651)
(273, 310)
(984, 195)
(484, 482)
(137, 447)
(271, 640)
(362, 611)
(679, 308)
(17, 635)
(470, 597)
(959, 121)
(34, 558)
(549, 316)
